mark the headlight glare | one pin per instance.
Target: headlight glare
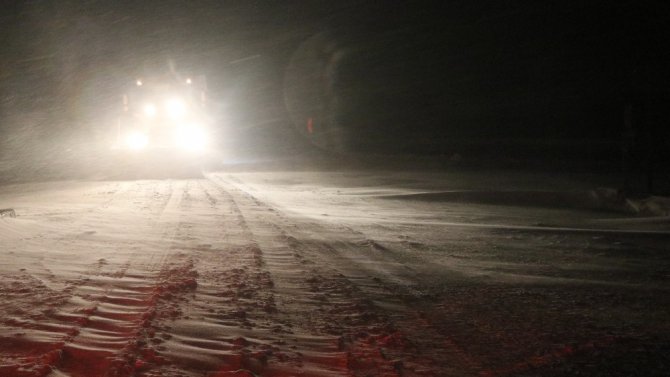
(175, 108)
(149, 110)
(137, 140)
(192, 138)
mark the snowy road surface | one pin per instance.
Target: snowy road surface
(322, 274)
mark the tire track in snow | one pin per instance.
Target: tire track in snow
(44, 327)
(174, 275)
(101, 322)
(342, 331)
(395, 338)
(233, 298)
(116, 305)
(153, 297)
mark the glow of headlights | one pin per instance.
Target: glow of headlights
(175, 108)
(190, 138)
(149, 110)
(137, 140)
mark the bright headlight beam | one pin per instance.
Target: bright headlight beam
(175, 108)
(137, 140)
(149, 110)
(190, 138)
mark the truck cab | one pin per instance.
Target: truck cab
(164, 113)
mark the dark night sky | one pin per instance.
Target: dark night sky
(373, 75)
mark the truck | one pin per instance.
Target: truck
(165, 114)
(163, 128)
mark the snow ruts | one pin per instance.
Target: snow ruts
(99, 326)
(339, 330)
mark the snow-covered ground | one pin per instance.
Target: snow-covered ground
(350, 273)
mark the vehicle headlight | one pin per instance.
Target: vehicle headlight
(149, 110)
(191, 138)
(175, 108)
(137, 140)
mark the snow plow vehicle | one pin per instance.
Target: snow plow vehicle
(163, 126)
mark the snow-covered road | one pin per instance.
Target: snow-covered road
(322, 274)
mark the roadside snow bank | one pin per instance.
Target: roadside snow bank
(652, 206)
(611, 200)
(599, 199)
